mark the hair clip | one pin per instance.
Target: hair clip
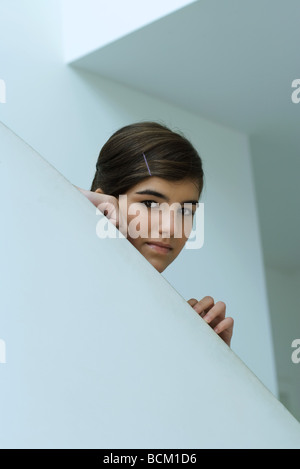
(146, 163)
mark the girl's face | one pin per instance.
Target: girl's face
(170, 225)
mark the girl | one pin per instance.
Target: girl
(151, 164)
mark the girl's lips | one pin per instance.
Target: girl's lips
(159, 249)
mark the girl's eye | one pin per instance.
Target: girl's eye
(147, 202)
(190, 213)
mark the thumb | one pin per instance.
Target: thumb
(95, 197)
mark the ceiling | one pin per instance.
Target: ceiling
(232, 62)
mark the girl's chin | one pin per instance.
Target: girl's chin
(158, 265)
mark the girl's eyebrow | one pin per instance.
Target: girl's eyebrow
(162, 196)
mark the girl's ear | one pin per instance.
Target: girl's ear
(99, 191)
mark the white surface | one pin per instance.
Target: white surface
(100, 350)
(90, 24)
(67, 115)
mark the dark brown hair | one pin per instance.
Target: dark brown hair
(169, 155)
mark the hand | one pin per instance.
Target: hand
(108, 205)
(214, 315)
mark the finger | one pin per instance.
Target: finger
(112, 214)
(109, 209)
(91, 196)
(218, 311)
(225, 324)
(226, 335)
(192, 302)
(204, 305)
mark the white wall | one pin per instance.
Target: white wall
(90, 24)
(101, 352)
(284, 299)
(67, 115)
